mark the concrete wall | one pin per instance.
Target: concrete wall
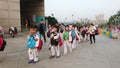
(10, 14)
(10, 11)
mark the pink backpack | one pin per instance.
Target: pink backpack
(40, 45)
(1, 42)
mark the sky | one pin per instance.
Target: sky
(81, 9)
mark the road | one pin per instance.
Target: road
(104, 54)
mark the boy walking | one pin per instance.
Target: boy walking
(66, 40)
(54, 43)
(32, 45)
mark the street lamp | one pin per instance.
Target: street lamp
(52, 15)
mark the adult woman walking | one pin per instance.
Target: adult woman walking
(91, 31)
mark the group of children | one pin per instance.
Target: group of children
(67, 36)
(115, 32)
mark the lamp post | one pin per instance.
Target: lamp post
(73, 17)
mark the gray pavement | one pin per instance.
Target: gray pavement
(104, 54)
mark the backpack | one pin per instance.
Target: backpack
(66, 35)
(96, 32)
(61, 30)
(31, 42)
(1, 41)
(73, 34)
(40, 45)
(55, 42)
(60, 42)
(2, 44)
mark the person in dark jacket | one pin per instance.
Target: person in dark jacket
(42, 30)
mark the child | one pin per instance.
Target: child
(66, 40)
(54, 43)
(79, 35)
(86, 29)
(70, 36)
(83, 34)
(73, 33)
(31, 45)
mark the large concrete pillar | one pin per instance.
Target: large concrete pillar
(10, 14)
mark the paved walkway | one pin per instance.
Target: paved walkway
(104, 54)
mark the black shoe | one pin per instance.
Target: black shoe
(49, 48)
(90, 43)
(35, 62)
(51, 56)
(30, 61)
(58, 56)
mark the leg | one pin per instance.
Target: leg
(85, 38)
(31, 56)
(57, 51)
(90, 38)
(35, 52)
(79, 39)
(53, 52)
(74, 43)
(65, 47)
(49, 45)
(70, 47)
(94, 38)
(44, 36)
(30, 53)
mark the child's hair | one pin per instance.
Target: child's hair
(92, 24)
(74, 26)
(67, 26)
(57, 28)
(32, 27)
(36, 27)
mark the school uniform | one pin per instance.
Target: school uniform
(87, 34)
(54, 44)
(32, 52)
(67, 44)
(70, 40)
(74, 41)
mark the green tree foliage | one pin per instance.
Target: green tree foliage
(115, 19)
(51, 20)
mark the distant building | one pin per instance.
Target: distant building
(99, 19)
(86, 20)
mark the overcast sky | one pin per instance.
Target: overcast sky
(81, 8)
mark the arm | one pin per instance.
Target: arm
(70, 37)
(57, 36)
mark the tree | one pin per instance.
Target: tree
(51, 20)
(115, 19)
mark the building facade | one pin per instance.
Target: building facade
(14, 12)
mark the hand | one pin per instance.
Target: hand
(36, 39)
(52, 36)
(69, 41)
